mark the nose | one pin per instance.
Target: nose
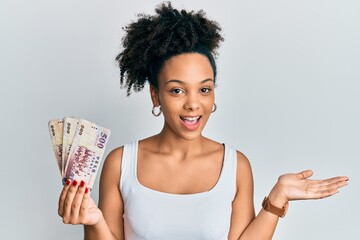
(192, 102)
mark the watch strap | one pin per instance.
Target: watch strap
(266, 204)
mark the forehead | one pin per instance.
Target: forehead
(186, 67)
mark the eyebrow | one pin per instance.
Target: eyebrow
(183, 83)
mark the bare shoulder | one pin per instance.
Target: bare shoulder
(244, 171)
(112, 165)
(115, 156)
(243, 161)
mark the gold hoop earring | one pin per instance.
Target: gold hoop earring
(214, 108)
(153, 111)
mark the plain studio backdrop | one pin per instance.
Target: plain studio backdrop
(288, 97)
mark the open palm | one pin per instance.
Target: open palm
(297, 186)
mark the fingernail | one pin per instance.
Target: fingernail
(74, 183)
(82, 183)
(86, 190)
(68, 182)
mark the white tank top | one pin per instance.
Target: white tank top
(155, 215)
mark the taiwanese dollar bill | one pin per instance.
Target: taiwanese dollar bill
(86, 152)
(70, 125)
(56, 136)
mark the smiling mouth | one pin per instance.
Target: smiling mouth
(190, 120)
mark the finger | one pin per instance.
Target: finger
(322, 191)
(62, 197)
(68, 201)
(305, 174)
(76, 203)
(333, 180)
(84, 204)
(327, 192)
(334, 184)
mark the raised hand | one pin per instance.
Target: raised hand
(298, 186)
(76, 206)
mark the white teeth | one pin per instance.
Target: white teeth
(190, 118)
(190, 121)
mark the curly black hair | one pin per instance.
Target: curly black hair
(153, 39)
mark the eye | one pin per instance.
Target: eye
(205, 90)
(177, 91)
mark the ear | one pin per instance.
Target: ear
(154, 96)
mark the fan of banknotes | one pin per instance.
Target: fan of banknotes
(79, 146)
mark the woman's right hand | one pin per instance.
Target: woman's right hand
(76, 206)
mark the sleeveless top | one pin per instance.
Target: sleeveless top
(155, 215)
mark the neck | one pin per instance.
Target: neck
(168, 142)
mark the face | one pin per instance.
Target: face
(186, 94)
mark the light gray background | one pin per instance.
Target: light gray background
(288, 97)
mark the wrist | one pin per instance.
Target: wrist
(280, 212)
(277, 196)
(99, 230)
(96, 225)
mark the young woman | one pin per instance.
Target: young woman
(179, 184)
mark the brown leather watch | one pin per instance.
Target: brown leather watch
(274, 210)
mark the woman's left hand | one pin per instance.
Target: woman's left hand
(298, 186)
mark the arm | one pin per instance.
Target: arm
(244, 224)
(289, 187)
(110, 201)
(77, 207)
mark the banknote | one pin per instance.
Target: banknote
(56, 136)
(70, 125)
(86, 152)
